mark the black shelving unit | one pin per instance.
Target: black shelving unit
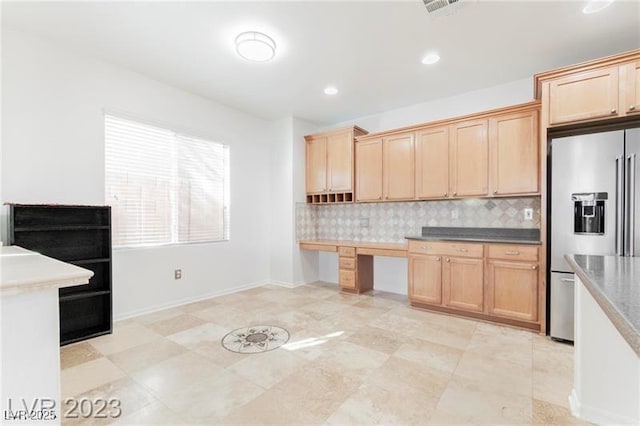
(80, 235)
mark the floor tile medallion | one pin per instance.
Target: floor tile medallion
(255, 339)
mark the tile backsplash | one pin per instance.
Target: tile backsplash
(391, 222)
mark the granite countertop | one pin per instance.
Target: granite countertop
(480, 235)
(614, 282)
(23, 270)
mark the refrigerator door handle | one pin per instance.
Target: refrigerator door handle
(631, 230)
(619, 206)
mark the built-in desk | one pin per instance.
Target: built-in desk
(356, 260)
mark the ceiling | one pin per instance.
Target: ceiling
(371, 51)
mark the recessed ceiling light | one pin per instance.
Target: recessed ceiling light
(330, 90)
(594, 6)
(255, 46)
(431, 58)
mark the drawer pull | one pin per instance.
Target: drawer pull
(437, 259)
(632, 107)
(463, 250)
(448, 260)
(613, 111)
(567, 280)
(534, 267)
(511, 252)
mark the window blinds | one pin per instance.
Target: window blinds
(164, 187)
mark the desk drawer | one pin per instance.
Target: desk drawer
(347, 263)
(509, 252)
(446, 249)
(347, 278)
(347, 251)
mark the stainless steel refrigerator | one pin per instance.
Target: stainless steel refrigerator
(594, 188)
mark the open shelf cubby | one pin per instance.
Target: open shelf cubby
(80, 235)
(333, 198)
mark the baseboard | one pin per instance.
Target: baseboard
(187, 300)
(288, 285)
(596, 415)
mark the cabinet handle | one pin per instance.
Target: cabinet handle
(613, 111)
(632, 107)
(514, 253)
(495, 192)
(463, 250)
(386, 197)
(437, 259)
(448, 260)
(426, 247)
(534, 267)
(380, 197)
(445, 194)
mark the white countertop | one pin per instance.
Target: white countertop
(22, 270)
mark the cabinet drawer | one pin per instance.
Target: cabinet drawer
(347, 263)
(347, 278)
(507, 252)
(347, 251)
(446, 249)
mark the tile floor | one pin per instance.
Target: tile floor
(350, 360)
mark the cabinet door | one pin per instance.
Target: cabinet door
(432, 163)
(469, 156)
(513, 290)
(425, 279)
(463, 283)
(340, 162)
(514, 153)
(316, 167)
(585, 96)
(398, 167)
(369, 170)
(631, 88)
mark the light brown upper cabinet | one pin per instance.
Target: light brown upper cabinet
(596, 90)
(316, 167)
(398, 162)
(432, 163)
(469, 158)
(584, 96)
(631, 81)
(340, 162)
(330, 165)
(514, 153)
(369, 170)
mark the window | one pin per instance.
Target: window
(164, 187)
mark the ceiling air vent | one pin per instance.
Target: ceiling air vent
(444, 7)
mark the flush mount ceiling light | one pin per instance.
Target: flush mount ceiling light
(431, 59)
(594, 6)
(330, 90)
(255, 46)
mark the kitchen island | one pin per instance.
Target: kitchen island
(607, 339)
(30, 334)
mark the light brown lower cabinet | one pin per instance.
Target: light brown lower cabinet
(425, 279)
(356, 272)
(513, 289)
(463, 283)
(497, 282)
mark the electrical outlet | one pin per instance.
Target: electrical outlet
(528, 214)
(455, 214)
(364, 222)
(177, 274)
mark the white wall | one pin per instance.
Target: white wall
(290, 266)
(515, 92)
(390, 274)
(52, 152)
